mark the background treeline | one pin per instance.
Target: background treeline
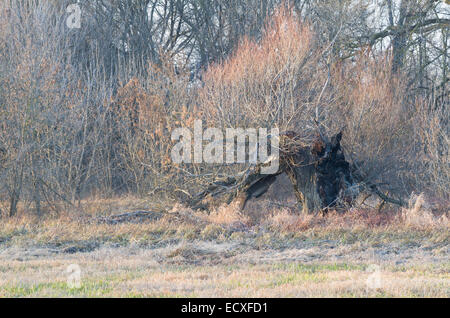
(89, 111)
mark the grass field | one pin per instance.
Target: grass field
(226, 254)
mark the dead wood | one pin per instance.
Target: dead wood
(320, 175)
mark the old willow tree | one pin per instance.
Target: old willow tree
(319, 173)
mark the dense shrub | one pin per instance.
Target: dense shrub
(71, 130)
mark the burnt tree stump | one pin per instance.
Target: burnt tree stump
(319, 173)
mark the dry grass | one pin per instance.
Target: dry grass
(81, 225)
(58, 132)
(226, 253)
(140, 276)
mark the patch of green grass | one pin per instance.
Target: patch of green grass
(13, 235)
(298, 278)
(89, 287)
(211, 232)
(20, 290)
(313, 268)
(188, 233)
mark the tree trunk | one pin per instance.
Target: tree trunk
(304, 181)
(14, 200)
(319, 174)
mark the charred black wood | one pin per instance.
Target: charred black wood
(321, 176)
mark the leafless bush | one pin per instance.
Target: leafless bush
(419, 214)
(50, 120)
(274, 82)
(85, 113)
(145, 112)
(432, 129)
(379, 120)
(285, 80)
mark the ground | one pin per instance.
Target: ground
(184, 253)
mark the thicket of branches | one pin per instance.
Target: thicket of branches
(90, 111)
